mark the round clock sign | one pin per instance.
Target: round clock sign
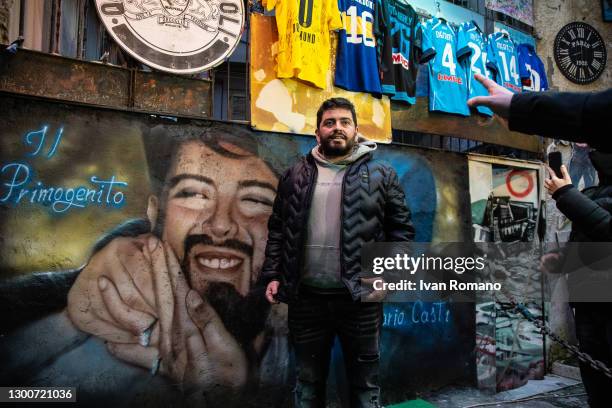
(580, 53)
(178, 36)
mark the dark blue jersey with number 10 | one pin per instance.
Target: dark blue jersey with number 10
(356, 62)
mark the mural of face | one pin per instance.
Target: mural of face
(215, 214)
(337, 132)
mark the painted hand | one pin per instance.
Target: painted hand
(113, 297)
(195, 348)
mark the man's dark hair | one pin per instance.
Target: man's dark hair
(336, 103)
(162, 142)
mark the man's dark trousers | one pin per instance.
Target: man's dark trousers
(314, 321)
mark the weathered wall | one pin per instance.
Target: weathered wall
(96, 163)
(505, 206)
(549, 17)
(5, 5)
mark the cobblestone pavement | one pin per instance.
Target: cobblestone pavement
(459, 397)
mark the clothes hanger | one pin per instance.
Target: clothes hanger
(439, 15)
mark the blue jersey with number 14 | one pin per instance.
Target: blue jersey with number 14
(503, 60)
(437, 41)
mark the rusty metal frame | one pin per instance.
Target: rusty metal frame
(42, 75)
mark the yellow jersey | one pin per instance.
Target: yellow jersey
(304, 38)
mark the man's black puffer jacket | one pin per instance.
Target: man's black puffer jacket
(373, 210)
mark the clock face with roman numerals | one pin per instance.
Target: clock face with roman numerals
(580, 53)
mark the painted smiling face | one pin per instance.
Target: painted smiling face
(215, 214)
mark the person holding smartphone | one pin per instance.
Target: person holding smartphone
(576, 117)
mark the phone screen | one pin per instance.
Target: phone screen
(554, 162)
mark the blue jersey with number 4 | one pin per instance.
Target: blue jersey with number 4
(503, 60)
(472, 54)
(437, 44)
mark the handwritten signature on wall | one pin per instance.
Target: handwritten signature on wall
(421, 313)
(19, 185)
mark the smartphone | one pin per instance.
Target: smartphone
(554, 162)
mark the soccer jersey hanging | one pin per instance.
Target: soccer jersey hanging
(472, 54)
(395, 30)
(356, 61)
(531, 69)
(436, 41)
(304, 38)
(503, 60)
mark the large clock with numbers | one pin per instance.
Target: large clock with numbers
(580, 53)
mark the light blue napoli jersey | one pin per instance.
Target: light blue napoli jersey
(472, 55)
(437, 44)
(503, 60)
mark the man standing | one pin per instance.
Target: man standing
(328, 205)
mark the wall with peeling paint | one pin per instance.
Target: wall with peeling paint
(549, 17)
(5, 6)
(70, 175)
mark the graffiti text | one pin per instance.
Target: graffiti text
(19, 184)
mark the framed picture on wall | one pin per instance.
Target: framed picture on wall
(606, 10)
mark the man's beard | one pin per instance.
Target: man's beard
(329, 150)
(243, 316)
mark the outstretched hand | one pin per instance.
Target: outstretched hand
(498, 100)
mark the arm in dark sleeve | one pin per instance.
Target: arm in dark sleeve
(398, 226)
(585, 215)
(33, 296)
(274, 248)
(563, 115)
(30, 297)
